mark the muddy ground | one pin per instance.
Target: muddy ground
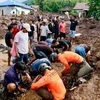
(90, 30)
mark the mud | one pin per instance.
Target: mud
(88, 91)
(90, 30)
(30, 95)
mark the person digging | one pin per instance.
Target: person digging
(50, 80)
(69, 58)
(12, 78)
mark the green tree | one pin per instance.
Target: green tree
(55, 5)
(94, 9)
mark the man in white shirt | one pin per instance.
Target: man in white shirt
(22, 43)
(35, 30)
(44, 31)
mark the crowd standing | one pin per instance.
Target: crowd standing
(45, 40)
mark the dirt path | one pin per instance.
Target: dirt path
(3, 61)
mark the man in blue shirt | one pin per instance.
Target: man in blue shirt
(35, 65)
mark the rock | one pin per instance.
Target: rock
(98, 65)
(98, 55)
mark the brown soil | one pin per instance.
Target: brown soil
(90, 30)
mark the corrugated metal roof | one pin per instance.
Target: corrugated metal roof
(81, 6)
(15, 3)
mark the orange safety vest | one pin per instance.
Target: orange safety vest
(54, 84)
(69, 57)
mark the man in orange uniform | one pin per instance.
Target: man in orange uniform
(69, 57)
(52, 81)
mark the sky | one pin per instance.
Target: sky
(16, 0)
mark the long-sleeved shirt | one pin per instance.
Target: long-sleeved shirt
(69, 57)
(12, 76)
(54, 84)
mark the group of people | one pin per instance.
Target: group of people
(47, 50)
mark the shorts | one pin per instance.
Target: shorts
(81, 51)
(62, 35)
(31, 38)
(43, 38)
(72, 33)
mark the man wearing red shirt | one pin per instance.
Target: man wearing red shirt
(15, 29)
(62, 29)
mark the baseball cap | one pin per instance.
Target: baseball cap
(27, 27)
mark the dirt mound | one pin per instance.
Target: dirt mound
(30, 95)
(90, 30)
(89, 91)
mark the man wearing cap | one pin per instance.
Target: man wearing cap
(22, 43)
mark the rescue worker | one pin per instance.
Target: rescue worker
(35, 65)
(65, 45)
(52, 81)
(68, 58)
(84, 51)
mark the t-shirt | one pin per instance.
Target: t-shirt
(85, 47)
(45, 49)
(73, 24)
(36, 64)
(49, 30)
(56, 25)
(22, 40)
(62, 27)
(8, 36)
(44, 30)
(64, 44)
(32, 31)
(20, 26)
(15, 31)
(49, 40)
(50, 27)
(35, 27)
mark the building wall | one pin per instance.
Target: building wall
(0, 12)
(13, 11)
(81, 13)
(25, 10)
(6, 10)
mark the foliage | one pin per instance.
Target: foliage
(55, 5)
(94, 10)
(73, 12)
